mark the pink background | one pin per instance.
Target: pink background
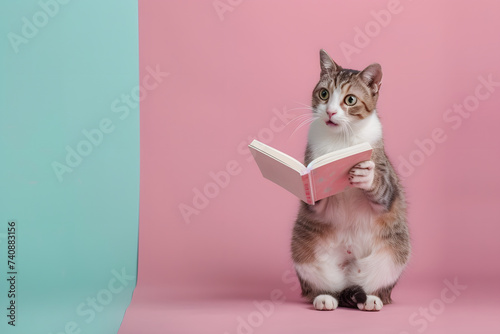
(227, 79)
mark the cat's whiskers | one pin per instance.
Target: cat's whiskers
(301, 117)
(308, 110)
(308, 107)
(303, 123)
(349, 129)
(345, 131)
(345, 140)
(305, 105)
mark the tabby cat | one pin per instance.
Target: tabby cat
(350, 249)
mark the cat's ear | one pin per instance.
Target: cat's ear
(372, 77)
(327, 63)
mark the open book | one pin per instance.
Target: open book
(324, 176)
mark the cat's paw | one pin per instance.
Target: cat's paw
(361, 176)
(325, 303)
(373, 303)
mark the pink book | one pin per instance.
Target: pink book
(323, 177)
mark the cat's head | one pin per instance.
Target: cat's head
(345, 97)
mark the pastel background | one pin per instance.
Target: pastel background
(76, 254)
(241, 72)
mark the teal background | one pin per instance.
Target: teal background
(71, 234)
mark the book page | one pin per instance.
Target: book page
(282, 174)
(277, 155)
(339, 154)
(333, 178)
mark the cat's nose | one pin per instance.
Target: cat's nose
(330, 113)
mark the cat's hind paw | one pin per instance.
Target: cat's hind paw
(325, 303)
(373, 303)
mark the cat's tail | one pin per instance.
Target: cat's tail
(352, 296)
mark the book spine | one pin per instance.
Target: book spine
(306, 180)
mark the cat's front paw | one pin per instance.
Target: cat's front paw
(373, 303)
(325, 303)
(361, 176)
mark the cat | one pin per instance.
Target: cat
(350, 249)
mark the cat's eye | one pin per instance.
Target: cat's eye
(324, 94)
(350, 100)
